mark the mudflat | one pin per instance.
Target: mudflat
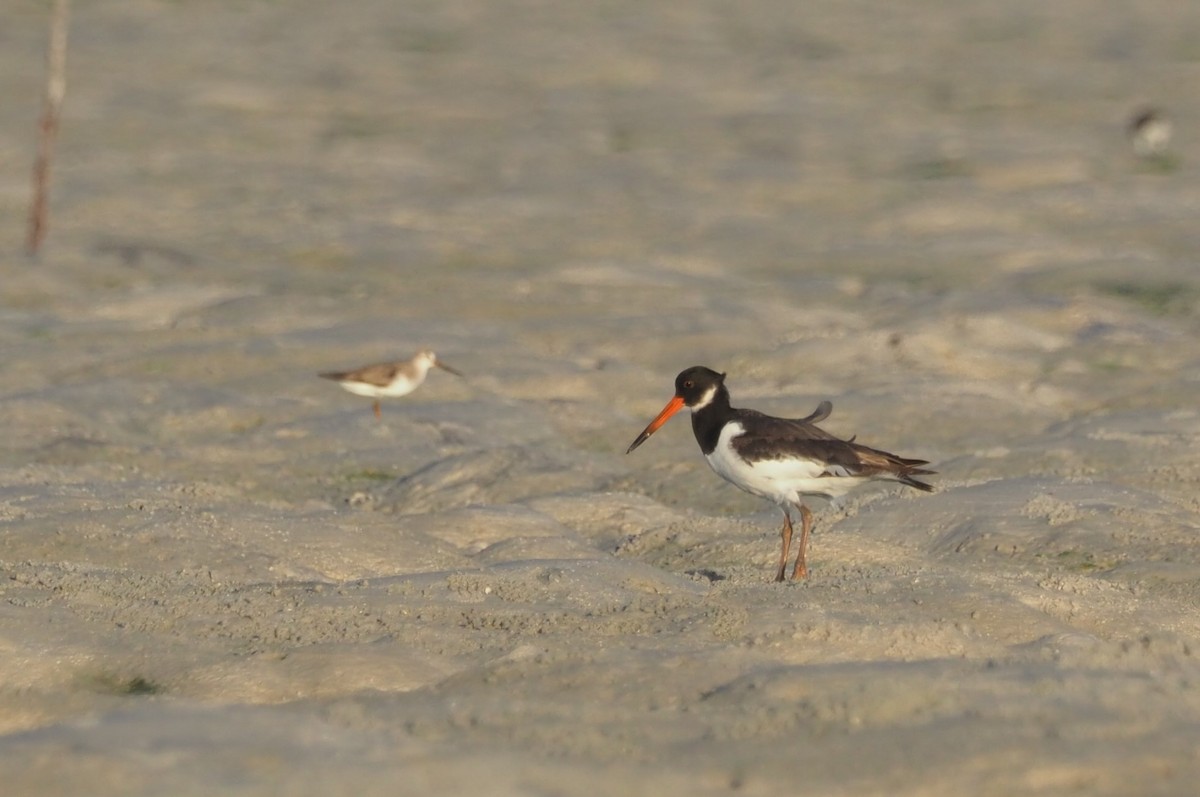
(220, 574)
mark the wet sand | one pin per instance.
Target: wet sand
(222, 574)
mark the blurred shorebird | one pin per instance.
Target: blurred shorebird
(1150, 133)
(780, 459)
(388, 380)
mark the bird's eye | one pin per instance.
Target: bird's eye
(688, 383)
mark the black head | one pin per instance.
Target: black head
(696, 385)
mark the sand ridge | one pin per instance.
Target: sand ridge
(219, 573)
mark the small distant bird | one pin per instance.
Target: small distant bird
(386, 380)
(1150, 133)
(780, 459)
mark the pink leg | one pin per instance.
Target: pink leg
(800, 569)
(786, 533)
(378, 414)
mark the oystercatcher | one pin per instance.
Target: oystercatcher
(780, 459)
(384, 380)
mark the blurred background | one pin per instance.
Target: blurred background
(860, 137)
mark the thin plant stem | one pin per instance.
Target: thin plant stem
(56, 89)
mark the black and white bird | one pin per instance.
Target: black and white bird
(783, 460)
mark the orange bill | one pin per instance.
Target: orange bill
(673, 406)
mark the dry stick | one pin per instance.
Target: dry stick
(56, 88)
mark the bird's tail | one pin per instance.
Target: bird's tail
(907, 468)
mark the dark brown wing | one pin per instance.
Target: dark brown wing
(379, 375)
(889, 465)
(767, 437)
(768, 427)
(819, 414)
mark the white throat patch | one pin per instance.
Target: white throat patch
(705, 400)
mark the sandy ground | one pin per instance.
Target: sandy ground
(220, 574)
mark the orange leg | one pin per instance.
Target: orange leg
(800, 569)
(378, 414)
(786, 533)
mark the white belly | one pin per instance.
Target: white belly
(784, 481)
(398, 387)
